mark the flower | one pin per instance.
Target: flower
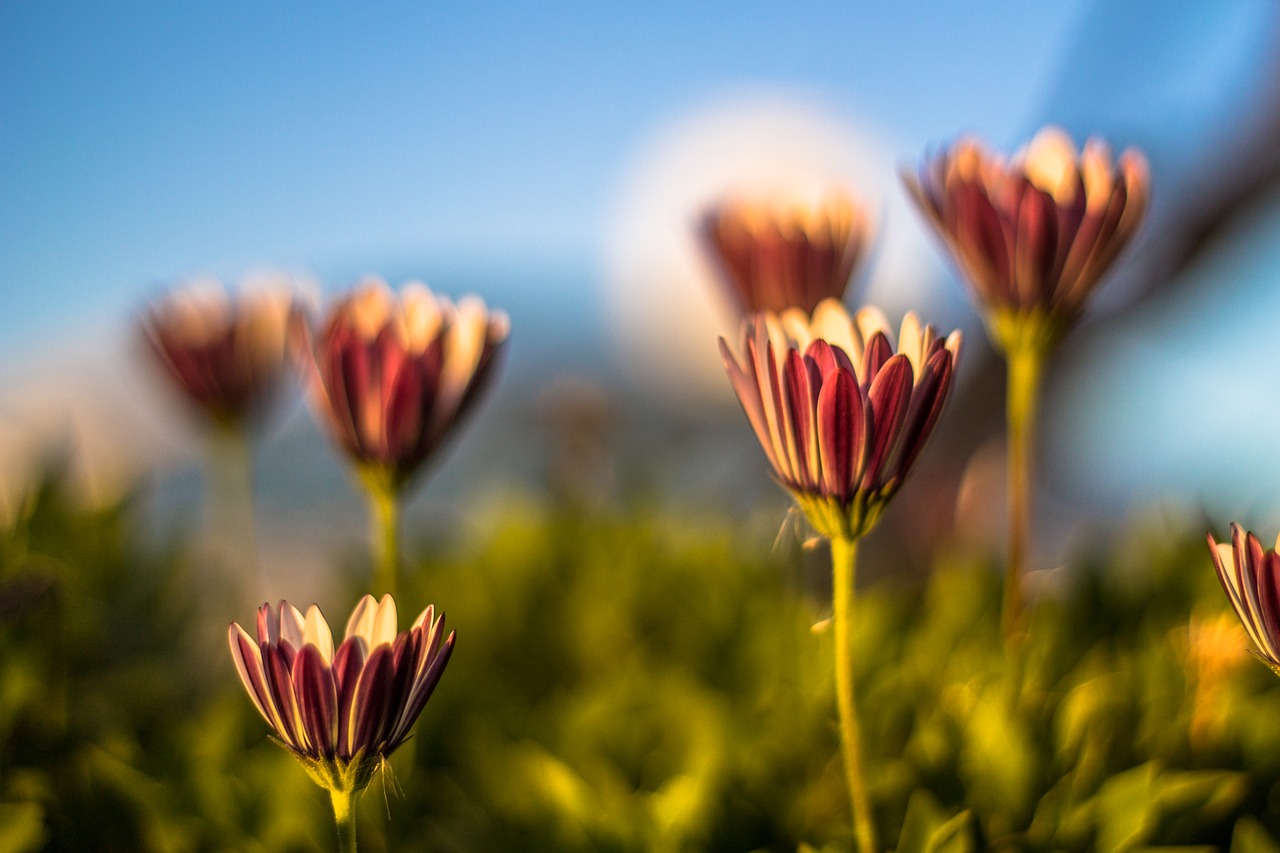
(225, 352)
(840, 416)
(1033, 236)
(1250, 577)
(776, 255)
(341, 712)
(392, 375)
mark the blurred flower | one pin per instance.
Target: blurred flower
(1250, 577)
(1212, 648)
(225, 351)
(341, 712)
(776, 255)
(393, 375)
(840, 416)
(1033, 236)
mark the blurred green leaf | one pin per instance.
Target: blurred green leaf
(21, 827)
(1249, 836)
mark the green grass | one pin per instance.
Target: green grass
(644, 682)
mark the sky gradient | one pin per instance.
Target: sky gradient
(143, 142)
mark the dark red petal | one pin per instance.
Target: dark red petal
(877, 353)
(343, 398)
(405, 411)
(424, 685)
(982, 242)
(889, 399)
(249, 656)
(348, 661)
(1219, 566)
(264, 624)
(800, 396)
(372, 701)
(1269, 597)
(823, 356)
(840, 434)
(317, 700)
(1035, 245)
(280, 683)
(407, 650)
(927, 399)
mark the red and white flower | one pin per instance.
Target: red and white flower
(392, 375)
(1033, 235)
(841, 416)
(1250, 576)
(341, 710)
(226, 352)
(776, 254)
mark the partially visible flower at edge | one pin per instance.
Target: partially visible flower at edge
(839, 414)
(341, 712)
(392, 375)
(1032, 236)
(1250, 576)
(225, 351)
(776, 254)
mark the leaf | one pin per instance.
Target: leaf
(1249, 836)
(954, 836)
(922, 819)
(1126, 806)
(927, 829)
(21, 827)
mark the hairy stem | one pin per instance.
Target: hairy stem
(345, 817)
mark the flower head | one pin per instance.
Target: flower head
(225, 352)
(840, 415)
(1034, 235)
(778, 254)
(1250, 577)
(392, 375)
(341, 711)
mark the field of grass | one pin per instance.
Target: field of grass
(640, 681)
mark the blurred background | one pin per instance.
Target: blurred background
(553, 160)
(636, 674)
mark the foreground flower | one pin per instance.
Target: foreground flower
(224, 352)
(842, 417)
(341, 712)
(778, 254)
(1250, 576)
(1033, 236)
(392, 376)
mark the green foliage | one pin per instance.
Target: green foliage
(645, 683)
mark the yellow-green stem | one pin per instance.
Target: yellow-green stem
(385, 506)
(231, 479)
(345, 817)
(844, 554)
(1025, 364)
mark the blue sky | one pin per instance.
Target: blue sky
(142, 142)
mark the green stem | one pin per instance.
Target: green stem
(1026, 363)
(385, 510)
(231, 510)
(844, 554)
(345, 817)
